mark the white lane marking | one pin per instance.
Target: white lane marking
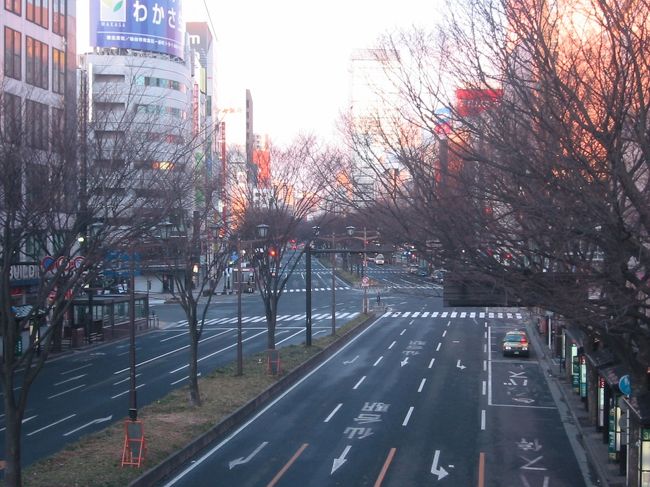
(416, 314)
(411, 322)
(484, 347)
(421, 385)
(23, 421)
(484, 388)
(403, 331)
(173, 351)
(356, 386)
(211, 452)
(74, 370)
(378, 360)
(489, 371)
(444, 315)
(483, 419)
(70, 379)
(448, 323)
(127, 391)
(406, 314)
(65, 392)
(95, 421)
(290, 336)
(408, 416)
(219, 351)
(126, 379)
(444, 333)
(438, 347)
(392, 345)
(175, 336)
(51, 424)
(425, 314)
(484, 365)
(434, 314)
(334, 411)
(431, 362)
(184, 378)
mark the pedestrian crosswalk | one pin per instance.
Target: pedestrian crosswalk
(454, 314)
(300, 317)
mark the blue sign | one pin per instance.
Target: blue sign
(147, 25)
(625, 385)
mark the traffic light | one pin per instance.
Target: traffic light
(272, 252)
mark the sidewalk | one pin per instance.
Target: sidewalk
(602, 471)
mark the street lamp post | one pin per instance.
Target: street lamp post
(333, 286)
(308, 321)
(262, 232)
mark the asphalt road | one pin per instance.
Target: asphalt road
(84, 391)
(421, 397)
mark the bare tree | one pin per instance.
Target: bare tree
(284, 201)
(538, 178)
(60, 212)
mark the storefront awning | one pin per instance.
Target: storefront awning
(601, 358)
(22, 312)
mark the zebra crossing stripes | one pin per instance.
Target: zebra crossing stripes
(349, 315)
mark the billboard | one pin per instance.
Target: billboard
(473, 102)
(147, 25)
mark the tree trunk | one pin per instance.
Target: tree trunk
(195, 395)
(271, 320)
(13, 422)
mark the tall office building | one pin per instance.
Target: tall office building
(37, 123)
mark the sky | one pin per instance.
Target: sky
(294, 55)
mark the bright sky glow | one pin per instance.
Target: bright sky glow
(293, 55)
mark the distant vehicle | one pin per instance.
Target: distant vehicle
(379, 259)
(438, 276)
(423, 272)
(413, 268)
(515, 343)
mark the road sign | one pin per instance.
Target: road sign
(365, 281)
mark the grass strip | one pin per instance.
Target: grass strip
(169, 424)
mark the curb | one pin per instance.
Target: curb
(179, 458)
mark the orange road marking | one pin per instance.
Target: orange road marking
(384, 469)
(288, 465)
(481, 470)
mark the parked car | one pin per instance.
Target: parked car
(516, 343)
(379, 259)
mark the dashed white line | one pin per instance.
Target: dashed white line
(483, 419)
(392, 345)
(444, 333)
(51, 424)
(403, 331)
(359, 383)
(331, 415)
(431, 363)
(421, 385)
(127, 391)
(438, 347)
(65, 392)
(378, 360)
(408, 416)
(484, 388)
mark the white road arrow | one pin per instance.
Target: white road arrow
(242, 460)
(404, 362)
(350, 361)
(435, 470)
(340, 460)
(461, 367)
(525, 400)
(96, 421)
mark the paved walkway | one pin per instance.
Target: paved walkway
(604, 472)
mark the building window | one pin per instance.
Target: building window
(58, 71)
(37, 68)
(12, 53)
(14, 6)
(37, 124)
(37, 12)
(58, 17)
(12, 118)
